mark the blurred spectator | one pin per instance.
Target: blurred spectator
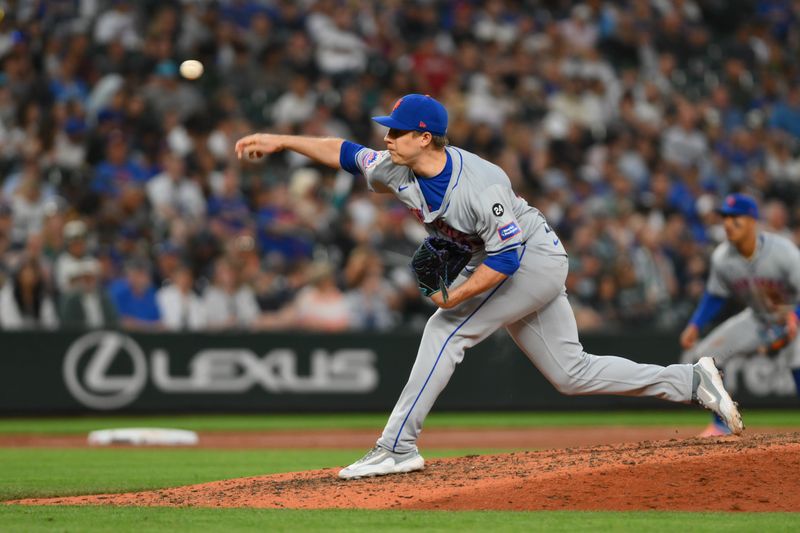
(228, 211)
(173, 195)
(372, 299)
(75, 252)
(25, 301)
(228, 303)
(166, 92)
(118, 23)
(296, 105)
(88, 305)
(180, 307)
(118, 169)
(28, 197)
(786, 114)
(319, 306)
(6, 224)
(610, 117)
(135, 298)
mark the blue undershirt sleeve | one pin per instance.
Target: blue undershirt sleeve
(709, 307)
(506, 263)
(347, 157)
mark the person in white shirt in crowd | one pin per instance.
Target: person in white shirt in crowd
(684, 144)
(70, 144)
(88, 305)
(181, 308)
(227, 302)
(340, 49)
(28, 202)
(119, 22)
(173, 195)
(75, 250)
(296, 105)
(25, 302)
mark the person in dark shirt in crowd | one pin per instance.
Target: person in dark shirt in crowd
(88, 305)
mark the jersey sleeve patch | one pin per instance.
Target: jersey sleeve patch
(508, 231)
(369, 159)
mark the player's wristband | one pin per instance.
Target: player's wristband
(709, 307)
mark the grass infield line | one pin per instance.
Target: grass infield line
(273, 422)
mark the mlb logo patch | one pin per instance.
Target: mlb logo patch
(370, 159)
(508, 231)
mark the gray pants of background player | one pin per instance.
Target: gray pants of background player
(532, 305)
(741, 336)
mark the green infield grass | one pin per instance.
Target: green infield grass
(43, 472)
(39, 472)
(682, 417)
(138, 520)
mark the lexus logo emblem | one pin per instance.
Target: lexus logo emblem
(87, 368)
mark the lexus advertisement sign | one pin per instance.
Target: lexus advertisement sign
(112, 371)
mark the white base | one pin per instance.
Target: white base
(143, 437)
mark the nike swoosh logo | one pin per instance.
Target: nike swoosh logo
(555, 242)
(404, 187)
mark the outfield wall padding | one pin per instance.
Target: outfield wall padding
(109, 371)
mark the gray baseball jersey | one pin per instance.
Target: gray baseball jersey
(481, 209)
(768, 284)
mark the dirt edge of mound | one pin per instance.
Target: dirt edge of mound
(751, 473)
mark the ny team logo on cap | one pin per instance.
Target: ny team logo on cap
(738, 204)
(416, 112)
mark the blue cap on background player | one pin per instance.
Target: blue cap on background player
(416, 112)
(738, 205)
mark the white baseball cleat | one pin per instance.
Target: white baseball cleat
(712, 395)
(380, 461)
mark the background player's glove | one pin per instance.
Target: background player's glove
(437, 262)
(775, 338)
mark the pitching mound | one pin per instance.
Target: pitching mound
(753, 473)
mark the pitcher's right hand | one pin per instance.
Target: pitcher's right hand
(257, 145)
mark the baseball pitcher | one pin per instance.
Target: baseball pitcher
(762, 270)
(514, 278)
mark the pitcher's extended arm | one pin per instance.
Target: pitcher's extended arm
(323, 150)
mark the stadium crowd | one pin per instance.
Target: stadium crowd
(623, 121)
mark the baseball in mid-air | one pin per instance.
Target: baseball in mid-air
(191, 69)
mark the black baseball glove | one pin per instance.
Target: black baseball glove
(437, 262)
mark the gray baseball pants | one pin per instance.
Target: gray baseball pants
(740, 335)
(532, 305)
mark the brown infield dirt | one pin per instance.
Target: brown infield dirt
(756, 472)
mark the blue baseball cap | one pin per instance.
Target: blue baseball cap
(738, 205)
(416, 112)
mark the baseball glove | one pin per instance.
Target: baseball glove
(775, 339)
(437, 262)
